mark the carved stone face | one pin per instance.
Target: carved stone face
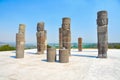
(21, 28)
(102, 14)
(66, 26)
(102, 22)
(66, 23)
(102, 18)
(40, 26)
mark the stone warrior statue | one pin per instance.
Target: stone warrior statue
(41, 38)
(20, 41)
(102, 32)
(65, 35)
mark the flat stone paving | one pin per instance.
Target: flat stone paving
(82, 66)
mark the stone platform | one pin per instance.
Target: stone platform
(82, 66)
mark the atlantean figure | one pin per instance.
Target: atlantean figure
(65, 35)
(41, 38)
(20, 41)
(102, 31)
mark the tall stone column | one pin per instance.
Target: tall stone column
(20, 41)
(102, 31)
(79, 44)
(41, 38)
(65, 34)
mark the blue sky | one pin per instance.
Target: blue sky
(83, 14)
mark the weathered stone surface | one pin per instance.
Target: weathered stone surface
(40, 42)
(102, 18)
(22, 29)
(19, 45)
(79, 44)
(65, 35)
(40, 26)
(51, 54)
(40, 48)
(102, 22)
(20, 41)
(41, 35)
(66, 23)
(63, 56)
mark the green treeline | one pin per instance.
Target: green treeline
(114, 45)
(94, 45)
(73, 46)
(6, 48)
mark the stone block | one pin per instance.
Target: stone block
(19, 45)
(63, 56)
(51, 54)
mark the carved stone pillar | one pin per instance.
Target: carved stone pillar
(20, 41)
(65, 35)
(41, 38)
(102, 30)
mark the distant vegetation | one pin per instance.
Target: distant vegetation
(9, 47)
(114, 45)
(6, 48)
(48, 46)
(30, 47)
(91, 45)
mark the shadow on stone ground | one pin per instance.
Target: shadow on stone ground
(79, 55)
(84, 51)
(13, 57)
(45, 60)
(31, 53)
(90, 51)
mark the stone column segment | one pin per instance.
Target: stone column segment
(63, 56)
(51, 54)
